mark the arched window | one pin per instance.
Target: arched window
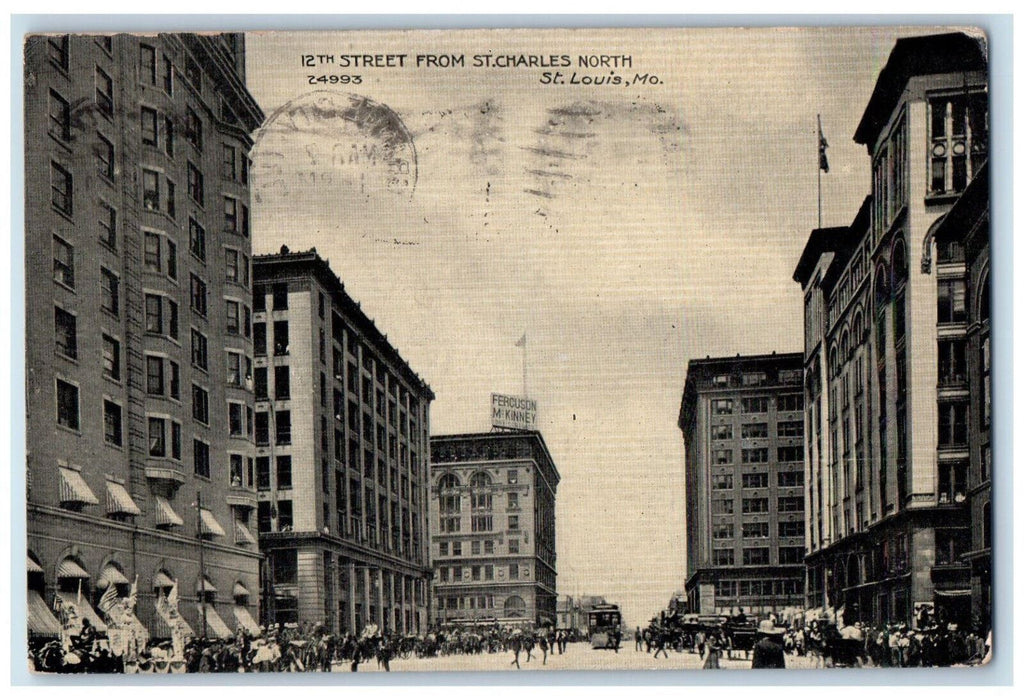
(881, 288)
(72, 577)
(480, 480)
(113, 575)
(844, 346)
(515, 606)
(858, 328)
(448, 482)
(163, 582)
(481, 501)
(833, 362)
(899, 264)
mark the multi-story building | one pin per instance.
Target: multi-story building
(341, 429)
(886, 337)
(743, 423)
(492, 517)
(140, 455)
(964, 231)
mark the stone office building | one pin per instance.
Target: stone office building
(492, 516)
(743, 424)
(887, 337)
(341, 430)
(138, 345)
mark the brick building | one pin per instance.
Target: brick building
(342, 425)
(889, 440)
(743, 423)
(492, 518)
(139, 418)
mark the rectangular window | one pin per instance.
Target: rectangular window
(259, 339)
(755, 481)
(721, 407)
(231, 265)
(721, 432)
(755, 530)
(148, 120)
(67, 405)
(488, 546)
(233, 375)
(755, 404)
(236, 419)
(151, 190)
(722, 482)
(108, 225)
(756, 455)
(755, 505)
(61, 189)
(104, 93)
(200, 404)
(281, 338)
(284, 472)
(723, 531)
(154, 375)
(724, 557)
(722, 456)
(791, 528)
(952, 301)
(195, 184)
(201, 458)
(282, 382)
(791, 504)
(793, 428)
(63, 262)
(230, 167)
(958, 131)
(754, 378)
(787, 479)
(233, 314)
(755, 556)
(104, 157)
(111, 423)
(791, 555)
(168, 76)
(109, 291)
(513, 522)
(231, 214)
(791, 402)
(157, 437)
(513, 546)
(280, 297)
(283, 423)
(755, 430)
(953, 424)
(791, 453)
(147, 64)
(952, 362)
(66, 332)
(60, 117)
(111, 358)
(513, 501)
(722, 506)
(196, 239)
(199, 350)
(198, 295)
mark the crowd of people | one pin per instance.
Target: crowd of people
(291, 648)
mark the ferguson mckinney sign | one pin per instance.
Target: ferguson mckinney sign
(513, 412)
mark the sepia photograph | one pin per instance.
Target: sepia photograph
(507, 350)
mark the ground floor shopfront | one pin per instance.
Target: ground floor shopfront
(74, 558)
(905, 569)
(756, 590)
(315, 578)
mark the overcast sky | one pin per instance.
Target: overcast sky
(624, 230)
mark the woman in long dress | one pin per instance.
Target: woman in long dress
(714, 647)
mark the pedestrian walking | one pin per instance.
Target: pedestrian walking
(768, 651)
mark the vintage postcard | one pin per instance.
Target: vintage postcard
(507, 350)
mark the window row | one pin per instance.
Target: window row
(784, 504)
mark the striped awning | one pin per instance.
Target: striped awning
(243, 535)
(111, 574)
(165, 514)
(84, 609)
(162, 580)
(41, 620)
(210, 526)
(119, 501)
(70, 569)
(73, 488)
(208, 586)
(244, 618)
(163, 621)
(215, 626)
(32, 566)
(239, 590)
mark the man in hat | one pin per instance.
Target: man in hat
(768, 652)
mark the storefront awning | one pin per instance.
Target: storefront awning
(239, 590)
(165, 619)
(207, 586)
(111, 574)
(210, 526)
(73, 488)
(165, 514)
(162, 580)
(32, 566)
(41, 621)
(244, 618)
(70, 569)
(955, 592)
(242, 534)
(119, 501)
(215, 626)
(83, 609)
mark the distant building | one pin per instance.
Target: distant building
(138, 342)
(567, 614)
(891, 342)
(743, 424)
(492, 517)
(341, 429)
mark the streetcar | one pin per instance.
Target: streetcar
(604, 626)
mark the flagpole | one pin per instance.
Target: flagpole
(819, 170)
(525, 394)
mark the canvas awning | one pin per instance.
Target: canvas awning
(167, 617)
(119, 501)
(162, 580)
(41, 620)
(165, 514)
(245, 619)
(84, 609)
(239, 590)
(210, 526)
(111, 574)
(70, 569)
(242, 534)
(207, 586)
(215, 626)
(32, 566)
(73, 488)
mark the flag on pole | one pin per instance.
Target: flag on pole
(521, 343)
(133, 596)
(172, 596)
(822, 146)
(79, 592)
(108, 599)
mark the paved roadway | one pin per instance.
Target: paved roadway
(578, 657)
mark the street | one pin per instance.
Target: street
(578, 657)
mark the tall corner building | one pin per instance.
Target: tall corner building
(743, 425)
(137, 270)
(896, 354)
(492, 516)
(342, 452)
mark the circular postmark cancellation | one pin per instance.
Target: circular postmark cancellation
(333, 144)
